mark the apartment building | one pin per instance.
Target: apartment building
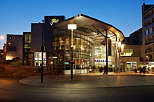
(148, 34)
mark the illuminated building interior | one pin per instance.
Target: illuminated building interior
(87, 54)
(89, 48)
(82, 51)
(38, 58)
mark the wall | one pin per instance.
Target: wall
(36, 31)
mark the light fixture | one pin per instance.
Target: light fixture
(122, 48)
(1, 37)
(72, 26)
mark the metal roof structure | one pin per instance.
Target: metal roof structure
(92, 28)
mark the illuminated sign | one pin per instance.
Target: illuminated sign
(66, 62)
(54, 20)
(99, 60)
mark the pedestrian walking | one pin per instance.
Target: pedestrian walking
(100, 69)
(140, 69)
(135, 70)
(144, 70)
(105, 70)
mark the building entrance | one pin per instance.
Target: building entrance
(131, 66)
(38, 58)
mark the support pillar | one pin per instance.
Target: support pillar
(106, 40)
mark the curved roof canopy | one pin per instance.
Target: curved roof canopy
(93, 28)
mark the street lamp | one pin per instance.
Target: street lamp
(148, 61)
(120, 48)
(1, 37)
(42, 50)
(72, 27)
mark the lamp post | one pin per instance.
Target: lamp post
(148, 61)
(1, 37)
(120, 48)
(106, 41)
(42, 49)
(72, 27)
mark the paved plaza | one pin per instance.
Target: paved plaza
(91, 80)
(91, 87)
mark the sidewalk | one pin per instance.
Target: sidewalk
(91, 80)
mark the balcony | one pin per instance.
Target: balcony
(149, 26)
(148, 18)
(150, 42)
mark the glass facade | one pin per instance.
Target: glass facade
(131, 66)
(82, 50)
(86, 55)
(38, 58)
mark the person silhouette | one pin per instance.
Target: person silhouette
(105, 70)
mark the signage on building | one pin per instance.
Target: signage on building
(66, 62)
(100, 60)
(67, 54)
(54, 20)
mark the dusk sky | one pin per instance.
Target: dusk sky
(16, 16)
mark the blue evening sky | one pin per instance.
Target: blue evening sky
(16, 16)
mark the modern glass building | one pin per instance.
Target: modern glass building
(91, 45)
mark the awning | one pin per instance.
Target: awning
(92, 27)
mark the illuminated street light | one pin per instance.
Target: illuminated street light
(42, 50)
(1, 37)
(72, 27)
(148, 61)
(120, 48)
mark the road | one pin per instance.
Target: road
(13, 91)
